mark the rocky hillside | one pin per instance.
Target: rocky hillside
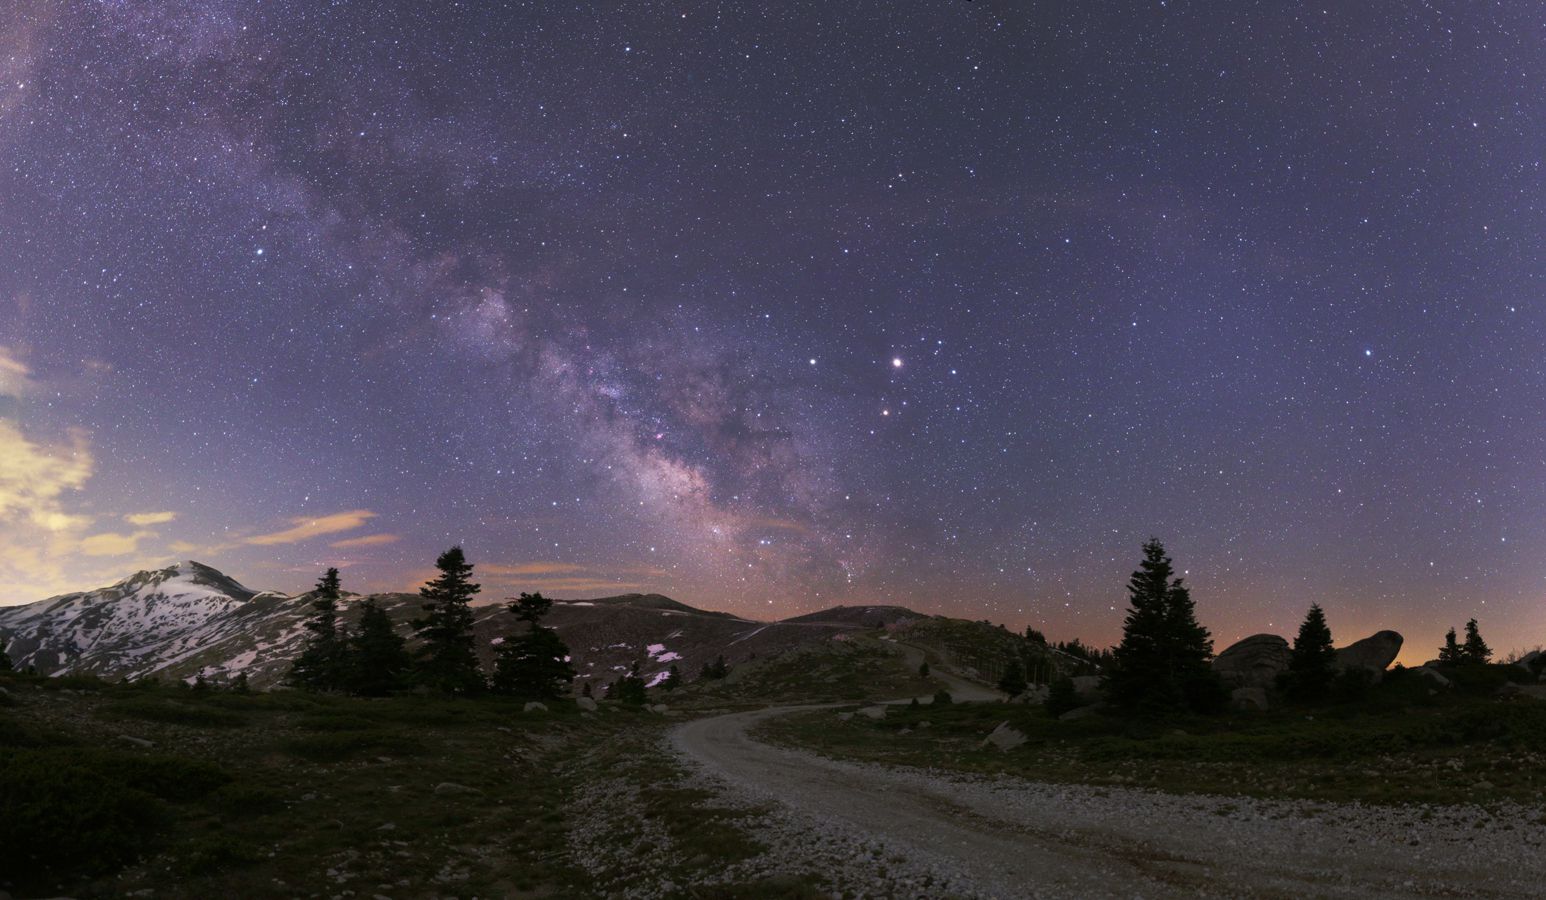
(191, 619)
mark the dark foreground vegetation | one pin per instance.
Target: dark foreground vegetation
(108, 790)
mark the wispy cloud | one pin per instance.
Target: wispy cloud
(528, 569)
(112, 543)
(306, 527)
(369, 540)
(150, 518)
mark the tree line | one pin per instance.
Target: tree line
(1164, 661)
(372, 659)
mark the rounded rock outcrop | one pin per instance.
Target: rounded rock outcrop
(1254, 662)
(1375, 652)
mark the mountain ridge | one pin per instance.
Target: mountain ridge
(192, 619)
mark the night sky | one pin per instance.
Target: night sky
(945, 304)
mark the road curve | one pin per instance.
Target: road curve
(1014, 838)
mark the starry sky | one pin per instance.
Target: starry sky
(771, 307)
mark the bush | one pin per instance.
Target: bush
(1477, 678)
(339, 746)
(173, 712)
(1061, 697)
(942, 697)
(62, 819)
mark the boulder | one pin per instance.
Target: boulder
(586, 703)
(1253, 662)
(1375, 653)
(1083, 712)
(1087, 687)
(1004, 737)
(657, 707)
(136, 741)
(873, 712)
(535, 706)
(1253, 698)
(845, 716)
(1434, 675)
(450, 787)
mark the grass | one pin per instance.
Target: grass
(1397, 744)
(288, 794)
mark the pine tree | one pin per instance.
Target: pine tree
(1061, 696)
(1013, 683)
(1312, 664)
(320, 667)
(1450, 653)
(239, 684)
(378, 656)
(586, 691)
(630, 688)
(447, 658)
(1162, 663)
(533, 664)
(1475, 650)
(5, 658)
(715, 670)
(673, 679)
(923, 670)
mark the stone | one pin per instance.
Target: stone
(586, 703)
(845, 717)
(1253, 698)
(873, 712)
(535, 706)
(1086, 686)
(1004, 737)
(1253, 662)
(1083, 712)
(1432, 674)
(1375, 653)
(448, 787)
(659, 708)
(138, 742)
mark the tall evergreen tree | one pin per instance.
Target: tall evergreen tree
(1475, 650)
(1013, 682)
(1162, 663)
(534, 663)
(320, 666)
(448, 660)
(1312, 664)
(715, 670)
(1450, 653)
(379, 662)
(5, 657)
(630, 688)
(673, 679)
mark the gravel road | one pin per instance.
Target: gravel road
(977, 836)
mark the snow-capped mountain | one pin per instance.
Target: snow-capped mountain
(153, 622)
(191, 619)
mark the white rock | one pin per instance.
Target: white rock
(585, 703)
(873, 712)
(1004, 737)
(535, 706)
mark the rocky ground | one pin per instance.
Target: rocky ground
(890, 831)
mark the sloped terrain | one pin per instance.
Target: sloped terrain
(191, 619)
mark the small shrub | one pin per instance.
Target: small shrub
(64, 819)
(213, 853)
(942, 698)
(173, 712)
(247, 800)
(336, 747)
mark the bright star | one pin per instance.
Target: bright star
(896, 362)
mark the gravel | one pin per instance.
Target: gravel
(883, 831)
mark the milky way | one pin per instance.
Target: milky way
(769, 308)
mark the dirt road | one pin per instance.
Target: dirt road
(1001, 837)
